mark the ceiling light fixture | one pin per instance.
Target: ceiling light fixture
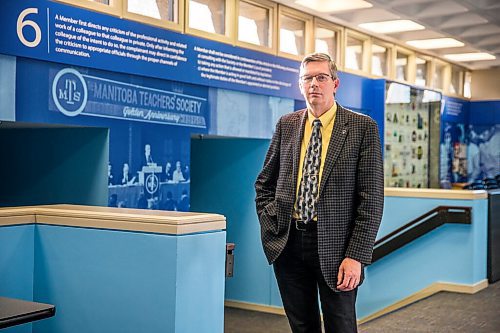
(475, 56)
(435, 43)
(388, 27)
(329, 6)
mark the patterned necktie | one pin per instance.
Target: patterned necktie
(309, 185)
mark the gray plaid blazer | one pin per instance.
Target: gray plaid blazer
(351, 194)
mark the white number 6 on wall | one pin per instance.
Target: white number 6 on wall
(22, 22)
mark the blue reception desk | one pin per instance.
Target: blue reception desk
(115, 270)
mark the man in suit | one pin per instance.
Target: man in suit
(147, 159)
(319, 199)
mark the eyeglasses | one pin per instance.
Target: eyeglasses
(321, 78)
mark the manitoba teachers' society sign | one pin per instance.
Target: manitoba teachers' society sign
(74, 93)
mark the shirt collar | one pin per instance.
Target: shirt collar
(326, 118)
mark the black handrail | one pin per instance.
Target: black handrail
(419, 227)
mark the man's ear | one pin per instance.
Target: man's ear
(337, 84)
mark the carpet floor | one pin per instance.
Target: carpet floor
(443, 312)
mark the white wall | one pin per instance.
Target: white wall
(486, 84)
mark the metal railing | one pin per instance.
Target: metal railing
(419, 227)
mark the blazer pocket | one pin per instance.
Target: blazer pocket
(268, 219)
(270, 208)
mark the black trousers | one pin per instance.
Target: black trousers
(299, 278)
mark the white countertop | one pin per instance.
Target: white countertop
(142, 220)
(434, 193)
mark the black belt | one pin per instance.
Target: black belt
(302, 226)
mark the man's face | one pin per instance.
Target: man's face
(147, 149)
(319, 95)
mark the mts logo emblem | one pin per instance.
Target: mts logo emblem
(69, 92)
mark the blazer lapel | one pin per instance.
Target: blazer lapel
(298, 128)
(339, 135)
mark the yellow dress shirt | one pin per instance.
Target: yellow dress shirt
(327, 120)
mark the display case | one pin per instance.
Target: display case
(411, 126)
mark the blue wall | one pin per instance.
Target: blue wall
(224, 171)
(53, 165)
(484, 113)
(363, 95)
(16, 266)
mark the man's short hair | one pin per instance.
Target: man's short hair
(313, 57)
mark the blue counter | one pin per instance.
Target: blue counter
(449, 258)
(110, 270)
